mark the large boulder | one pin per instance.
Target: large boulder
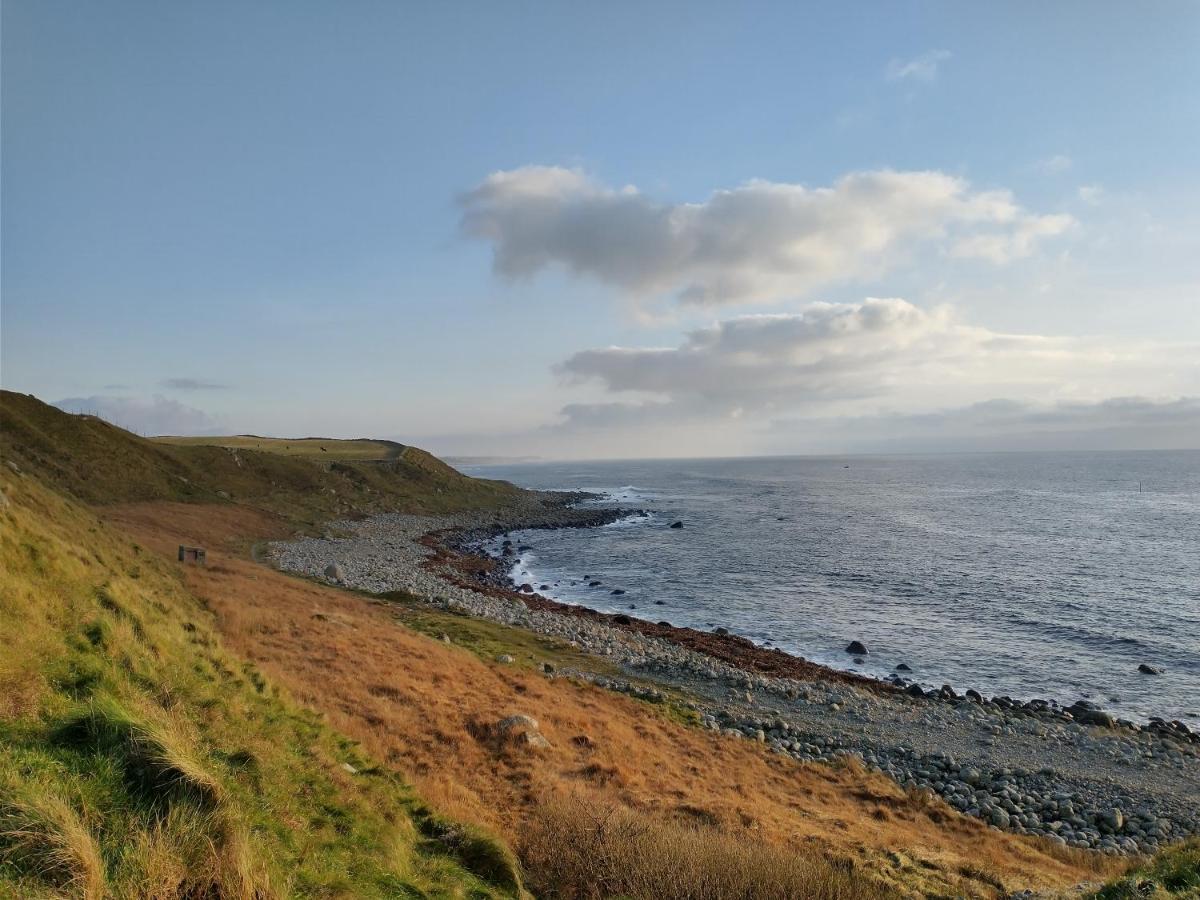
(1111, 820)
(857, 648)
(334, 572)
(518, 722)
(523, 731)
(1084, 712)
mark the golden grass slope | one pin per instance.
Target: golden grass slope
(138, 758)
(429, 708)
(99, 463)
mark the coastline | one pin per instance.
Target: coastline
(463, 550)
(1073, 775)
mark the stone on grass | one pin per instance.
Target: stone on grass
(518, 721)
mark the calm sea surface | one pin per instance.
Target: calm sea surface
(1034, 575)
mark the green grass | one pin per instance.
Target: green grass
(320, 448)
(1173, 872)
(489, 639)
(531, 650)
(99, 463)
(140, 759)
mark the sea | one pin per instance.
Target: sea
(1051, 575)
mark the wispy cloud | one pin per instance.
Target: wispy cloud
(760, 241)
(192, 384)
(144, 415)
(1091, 194)
(919, 68)
(1054, 165)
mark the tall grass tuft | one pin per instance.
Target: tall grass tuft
(189, 854)
(577, 850)
(158, 755)
(1173, 872)
(42, 834)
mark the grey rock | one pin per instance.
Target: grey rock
(516, 722)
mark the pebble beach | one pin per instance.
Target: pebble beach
(1073, 774)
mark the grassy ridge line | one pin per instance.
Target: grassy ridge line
(363, 449)
(100, 463)
(138, 758)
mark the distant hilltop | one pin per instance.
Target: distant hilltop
(310, 478)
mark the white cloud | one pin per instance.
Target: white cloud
(1054, 165)
(1091, 194)
(1004, 245)
(155, 415)
(919, 68)
(833, 358)
(761, 241)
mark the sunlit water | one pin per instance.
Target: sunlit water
(1032, 575)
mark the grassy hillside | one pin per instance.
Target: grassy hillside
(100, 463)
(321, 448)
(144, 754)
(140, 759)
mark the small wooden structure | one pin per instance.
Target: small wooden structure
(191, 554)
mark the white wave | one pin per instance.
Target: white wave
(632, 521)
(628, 493)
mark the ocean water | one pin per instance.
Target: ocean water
(1033, 575)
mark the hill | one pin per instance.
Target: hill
(321, 448)
(97, 462)
(231, 731)
(139, 758)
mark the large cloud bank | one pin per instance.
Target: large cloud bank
(838, 352)
(761, 241)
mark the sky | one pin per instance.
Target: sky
(608, 230)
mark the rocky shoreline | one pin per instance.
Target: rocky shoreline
(1075, 775)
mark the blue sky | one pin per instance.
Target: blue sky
(249, 217)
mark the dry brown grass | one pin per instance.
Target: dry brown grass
(579, 850)
(424, 707)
